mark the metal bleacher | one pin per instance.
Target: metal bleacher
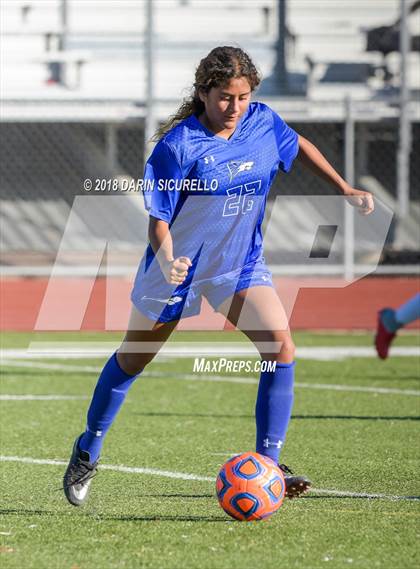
(333, 35)
(111, 36)
(107, 37)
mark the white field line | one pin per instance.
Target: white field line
(345, 494)
(186, 476)
(75, 350)
(324, 386)
(359, 388)
(119, 468)
(50, 366)
(5, 397)
(226, 454)
(217, 378)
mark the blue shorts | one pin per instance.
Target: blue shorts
(185, 301)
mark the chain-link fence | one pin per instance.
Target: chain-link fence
(44, 166)
(51, 160)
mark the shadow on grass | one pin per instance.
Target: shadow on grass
(27, 372)
(40, 373)
(16, 512)
(176, 495)
(126, 518)
(361, 417)
(308, 496)
(379, 377)
(163, 518)
(300, 417)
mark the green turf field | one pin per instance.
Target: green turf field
(349, 441)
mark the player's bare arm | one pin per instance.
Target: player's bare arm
(175, 271)
(313, 159)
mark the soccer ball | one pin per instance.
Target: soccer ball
(250, 487)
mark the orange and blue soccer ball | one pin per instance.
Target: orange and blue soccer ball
(250, 487)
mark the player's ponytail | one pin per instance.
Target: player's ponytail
(216, 69)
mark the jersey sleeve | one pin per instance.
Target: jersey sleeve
(161, 167)
(287, 142)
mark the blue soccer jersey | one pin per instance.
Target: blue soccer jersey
(212, 192)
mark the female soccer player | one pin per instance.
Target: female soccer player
(211, 172)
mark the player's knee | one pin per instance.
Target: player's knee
(287, 351)
(278, 347)
(133, 364)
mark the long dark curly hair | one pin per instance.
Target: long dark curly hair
(215, 70)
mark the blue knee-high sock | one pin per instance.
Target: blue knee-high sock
(274, 409)
(109, 394)
(409, 311)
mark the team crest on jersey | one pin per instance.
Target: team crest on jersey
(235, 167)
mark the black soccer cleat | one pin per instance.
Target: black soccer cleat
(78, 475)
(295, 485)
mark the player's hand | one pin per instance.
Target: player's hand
(176, 271)
(363, 201)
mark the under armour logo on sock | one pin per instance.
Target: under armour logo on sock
(96, 433)
(267, 443)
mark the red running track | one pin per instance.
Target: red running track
(323, 304)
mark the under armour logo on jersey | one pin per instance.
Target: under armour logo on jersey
(235, 167)
(267, 443)
(170, 301)
(209, 159)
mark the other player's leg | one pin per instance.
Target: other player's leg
(390, 321)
